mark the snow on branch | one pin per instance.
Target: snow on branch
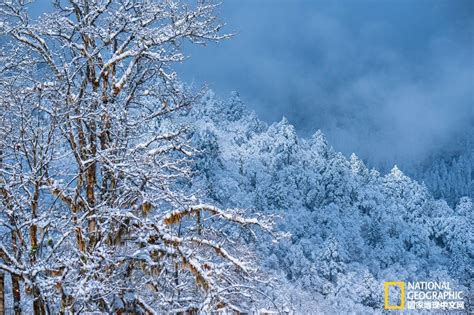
(176, 216)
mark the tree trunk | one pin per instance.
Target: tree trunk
(16, 294)
(38, 305)
(16, 280)
(2, 293)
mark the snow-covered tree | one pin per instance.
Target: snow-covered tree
(330, 261)
(91, 218)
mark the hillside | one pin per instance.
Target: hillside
(351, 227)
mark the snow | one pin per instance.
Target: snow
(115, 198)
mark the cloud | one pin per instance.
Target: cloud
(391, 81)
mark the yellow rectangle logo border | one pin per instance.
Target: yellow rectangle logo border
(386, 286)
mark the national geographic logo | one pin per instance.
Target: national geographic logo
(422, 295)
(386, 288)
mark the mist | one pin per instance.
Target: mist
(391, 81)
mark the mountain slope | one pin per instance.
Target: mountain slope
(351, 227)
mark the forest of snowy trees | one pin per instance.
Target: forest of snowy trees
(351, 227)
(450, 175)
(124, 191)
